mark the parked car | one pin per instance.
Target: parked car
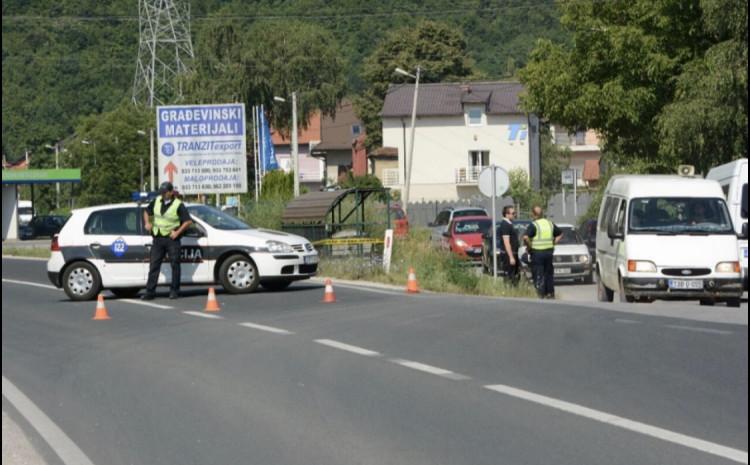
(444, 218)
(587, 231)
(25, 212)
(106, 247)
(571, 258)
(519, 227)
(464, 236)
(42, 226)
(667, 237)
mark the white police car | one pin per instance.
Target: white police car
(106, 247)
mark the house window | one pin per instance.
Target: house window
(356, 129)
(580, 137)
(475, 116)
(479, 158)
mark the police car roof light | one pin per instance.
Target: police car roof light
(143, 196)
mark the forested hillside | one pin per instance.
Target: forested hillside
(67, 59)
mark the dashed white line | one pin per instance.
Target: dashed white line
(63, 446)
(347, 347)
(146, 304)
(270, 329)
(624, 423)
(699, 329)
(429, 369)
(627, 322)
(29, 283)
(210, 316)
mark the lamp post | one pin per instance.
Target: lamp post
(295, 149)
(408, 162)
(92, 143)
(56, 147)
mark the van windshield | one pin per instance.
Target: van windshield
(679, 215)
(217, 218)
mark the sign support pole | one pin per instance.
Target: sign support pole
(494, 222)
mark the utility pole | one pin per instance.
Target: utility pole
(408, 163)
(295, 148)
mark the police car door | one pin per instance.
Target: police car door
(113, 237)
(195, 264)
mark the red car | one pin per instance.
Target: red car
(464, 236)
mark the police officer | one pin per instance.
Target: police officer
(541, 237)
(171, 219)
(509, 245)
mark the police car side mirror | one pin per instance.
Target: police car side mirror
(743, 235)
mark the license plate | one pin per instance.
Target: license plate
(685, 284)
(562, 270)
(311, 259)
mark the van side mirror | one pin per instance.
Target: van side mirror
(743, 235)
(612, 232)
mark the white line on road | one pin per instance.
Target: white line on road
(627, 322)
(347, 347)
(429, 369)
(270, 329)
(204, 315)
(700, 330)
(29, 283)
(370, 289)
(63, 446)
(146, 304)
(620, 422)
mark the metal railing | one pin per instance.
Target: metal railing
(468, 175)
(390, 177)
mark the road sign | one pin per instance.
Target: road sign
(502, 181)
(568, 177)
(202, 148)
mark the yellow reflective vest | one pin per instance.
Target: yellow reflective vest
(169, 221)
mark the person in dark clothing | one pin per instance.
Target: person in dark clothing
(509, 245)
(541, 237)
(171, 219)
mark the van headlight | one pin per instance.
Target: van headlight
(279, 247)
(583, 258)
(641, 266)
(728, 267)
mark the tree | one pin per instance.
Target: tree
(637, 73)
(555, 159)
(441, 52)
(520, 190)
(255, 64)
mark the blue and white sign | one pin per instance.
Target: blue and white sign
(202, 148)
(119, 247)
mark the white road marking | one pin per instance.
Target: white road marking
(270, 329)
(204, 315)
(624, 423)
(63, 446)
(627, 322)
(369, 289)
(29, 283)
(429, 369)
(347, 347)
(700, 330)
(146, 304)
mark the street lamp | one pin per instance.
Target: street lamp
(92, 143)
(151, 156)
(408, 164)
(56, 148)
(295, 150)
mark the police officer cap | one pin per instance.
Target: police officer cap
(166, 187)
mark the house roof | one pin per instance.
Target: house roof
(384, 152)
(447, 99)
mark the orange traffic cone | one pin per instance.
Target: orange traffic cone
(329, 297)
(101, 310)
(411, 282)
(212, 305)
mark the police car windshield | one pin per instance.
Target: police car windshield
(217, 218)
(679, 215)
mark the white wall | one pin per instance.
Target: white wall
(442, 145)
(10, 217)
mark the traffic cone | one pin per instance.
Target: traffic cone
(411, 282)
(101, 310)
(329, 297)
(212, 305)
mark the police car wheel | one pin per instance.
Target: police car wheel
(81, 281)
(239, 275)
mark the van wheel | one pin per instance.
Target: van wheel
(125, 292)
(733, 303)
(81, 281)
(604, 293)
(239, 275)
(624, 297)
(707, 302)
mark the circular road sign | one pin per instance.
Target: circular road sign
(502, 181)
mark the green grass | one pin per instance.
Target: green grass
(27, 251)
(436, 270)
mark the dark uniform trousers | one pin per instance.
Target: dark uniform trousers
(511, 271)
(543, 271)
(164, 245)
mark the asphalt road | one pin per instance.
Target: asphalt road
(377, 378)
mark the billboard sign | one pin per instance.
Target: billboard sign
(202, 148)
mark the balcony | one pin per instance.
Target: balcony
(468, 176)
(390, 177)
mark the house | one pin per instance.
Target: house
(311, 169)
(461, 128)
(585, 153)
(342, 144)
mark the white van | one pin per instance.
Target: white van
(666, 237)
(733, 179)
(25, 212)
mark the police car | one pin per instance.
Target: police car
(106, 247)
